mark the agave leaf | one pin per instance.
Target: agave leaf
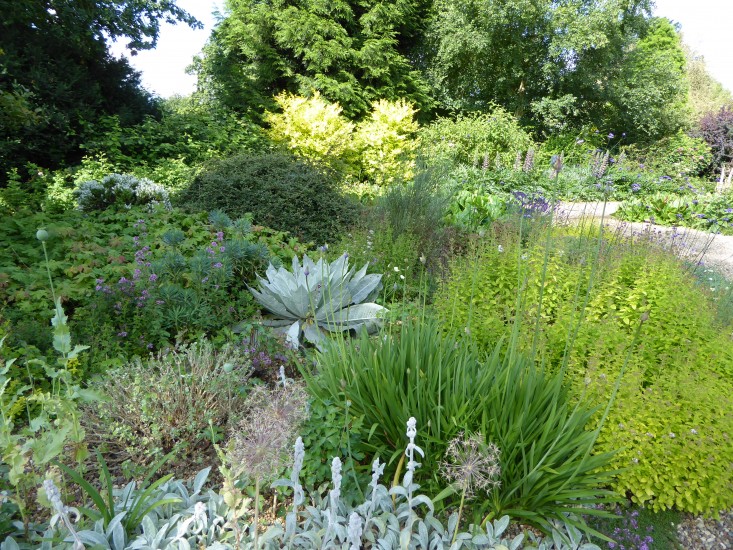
(272, 304)
(277, 323)
(299, 302)
(313, 334)
(292, 336)
(355, 316)
(359, 274)
(335, 299)
(362, 289)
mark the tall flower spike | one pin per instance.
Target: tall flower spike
(410, 452)
(355, 531)
(62, 511)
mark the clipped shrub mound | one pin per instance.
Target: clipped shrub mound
(279, 190)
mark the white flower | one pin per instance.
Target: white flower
(693, 431)
(500, 248)
(402, 277)
(396, 269)
(671, 435)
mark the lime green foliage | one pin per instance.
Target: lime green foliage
(547, 468)
(593, 300)
(279, 190)
(176, 401)
(314, 129)
(379, 149)
(469, 138)
(385, 142)
(706, 211)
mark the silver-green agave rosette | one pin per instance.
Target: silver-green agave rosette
(319, 297)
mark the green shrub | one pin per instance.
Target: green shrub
(379, 149)
(547, 468)
(122, 190)
(593, 298)
(280, 192)
(314, 129)
(471, 138)
(706, 212)
(84, 248)
(386, 143)
(177, 400)
(675, 156)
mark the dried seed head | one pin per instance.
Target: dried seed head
(471, 464)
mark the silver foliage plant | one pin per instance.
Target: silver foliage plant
(319, 297)
(388, 519)
(123, 189)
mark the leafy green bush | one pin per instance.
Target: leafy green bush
(676, 156)
(176, 290)
(314, 129)
(593, 297)
(280, 191)
(547, 468)
(706, 212)
(380, 148)
(122, 190)
(471, 138)
(84, 248)
(385, 141)
(176, 401)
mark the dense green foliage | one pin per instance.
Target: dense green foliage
(279, 191)
(51, 108)
(566, 366)
(546, 466)
(581, 303)
(353, 53)
(707, 212)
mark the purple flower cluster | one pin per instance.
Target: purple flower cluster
(627, 535)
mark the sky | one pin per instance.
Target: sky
(705, 25)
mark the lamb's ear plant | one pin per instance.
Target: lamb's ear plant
(133, 502)
(319, 297)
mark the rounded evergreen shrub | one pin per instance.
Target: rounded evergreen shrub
(279, 190)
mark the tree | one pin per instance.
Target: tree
(707, 95)
(556, 63)
(57, 76)
(352, 52)
(516, 52)
(648, 91)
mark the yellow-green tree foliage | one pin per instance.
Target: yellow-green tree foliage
(380, 149)
(385, 141)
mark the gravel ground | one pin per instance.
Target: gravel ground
(691, 244)
(694, 533)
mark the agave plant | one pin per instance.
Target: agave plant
(320, 297)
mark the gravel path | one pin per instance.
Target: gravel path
(691, 244)
(694, 533)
